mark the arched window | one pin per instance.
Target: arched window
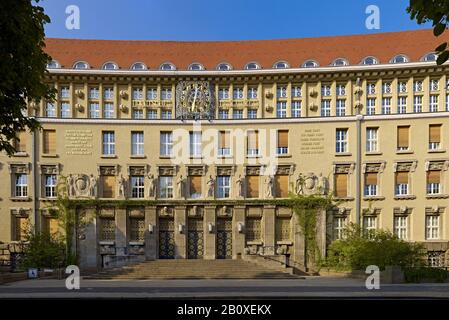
(400, 58)
(167, 66)
(53, 65)
(340, 62)
(81, 65)
(430, 57)
(110, 66)
(281, 65)
(368, 61)
(224, 67)
(252, 66)
(196, 67)
(310, 64)
(138, 66)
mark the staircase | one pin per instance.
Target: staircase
(192, 269)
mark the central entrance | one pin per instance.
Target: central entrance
(166, 238)
(224, 238)
(195, 238)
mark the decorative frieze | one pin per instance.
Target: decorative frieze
(435, 210)
(225, 170)
(195, 211)
(136, 213)
(376, 167)
(405, 166)
(165, 211)
(402, 210)
(224, 211)
(196, 170)
(347, 168)
(253, 170)
(440, 165)
(107, 212)
(19, 168)
(135, 170)
(49, 168)
(108, 170)
(167, 170)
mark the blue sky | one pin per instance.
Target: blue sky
(222, 20)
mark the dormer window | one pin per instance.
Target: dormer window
(224, 67)
(167, 67)
(400, 58)
(110, 66)
(281, 65)
(430, 57)
(252, 66)
(340, 62)
(53, 65)
(368, 61)
(310, 64)
(81, 65)
(138, 66)
(196, 67)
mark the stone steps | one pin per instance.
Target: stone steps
(192, 269)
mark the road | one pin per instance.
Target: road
(309, 287)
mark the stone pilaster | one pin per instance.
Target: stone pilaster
(269, 228)
(298, 254)
(180, 237)
(120, 232)
(210, 237)
(88, 250)
(151, 244)
(321, 231)
(238, 238)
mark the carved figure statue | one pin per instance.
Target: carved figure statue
(322, 184)
(93, 186)
(239, 184)
(210, 187)
(121, 187)
(269, 188)
(180, 187)
(71, 185)
(151, 185)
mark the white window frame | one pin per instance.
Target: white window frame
(21, 185)
(340, 108)
(402, 105)
(433, 103)
(108, 110)
(223, 94)
(432, 227)
(152, 93)
(417, 104)
(400, 224)
(223, 187)
(281, 109)
(386, 105)
(50, 186)
(296, 109)
(339, 225)
(94, 110)
(296, 91)
(66, 110)
(137, 143)
(326, 90)
(108, 93)
(166, 94)
(253, 93)
(166, 114)
(166, 143)
(237, 93)
(137, 94)
(50, 110)
(372, 139)
(371, 106)
(137, 187)
(341, 141)
(325, 108)
(166, 187)
(281, 92)
(108, 139)
(195, 144)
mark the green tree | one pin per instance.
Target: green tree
(436, 12)
(22, 66)
(43, 251)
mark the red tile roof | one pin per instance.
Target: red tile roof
(383, 46)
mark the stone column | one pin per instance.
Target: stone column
(88, 250)
(269, 228)
(298, 256)
(321, 231)
(238, 238)
(151, 239)
(180, 238)
(120, 232)
(210, 237)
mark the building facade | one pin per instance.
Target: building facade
(187, 146)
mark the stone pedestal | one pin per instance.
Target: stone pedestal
(180, 237)
(151, 244)
(238, 238)
(210, 237)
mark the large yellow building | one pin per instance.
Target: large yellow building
(210, 134)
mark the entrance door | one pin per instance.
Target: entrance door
(195, 239)
(166, 238)
(224, 238)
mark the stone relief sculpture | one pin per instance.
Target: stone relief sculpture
(240, 185)
(269, 187)
(121, 187)
(71, 185)
(299, 184)
(323, 185)
(180, 187)
(151, 185)
(311, 184)
(210, 187)
(93, 186)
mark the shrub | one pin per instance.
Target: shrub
(425, 273)
(43, 251)
(359, 249)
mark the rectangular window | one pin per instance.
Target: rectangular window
(386, 105)
(341, 141)
(371, 140)
(325, 108)
(341, 185)
(296, 109)
(50, 110)
(281, 186)
(65, 110)
(432, 227)
(326, 90)
(108, 93)
(20, 144)
(252, 143)
(108, 186)
(433, 85)
(138, 187)
(252, 93)
(166, 114)
(195, 187)
(21, 185)
(417, 104)
(137, 114)
(237, 114)
(371, 184)
(136, 229)
(108, 111)
(223, 114)
(371, 88)
(252, 186)
(224, 144)
(137, 143)
(166, 186)
(281, 92)
(400, 227)
(253, 229)
(386, 87)
(281, 109)
(341, 90)
(166, 143)
(49, 142)
(238, 93)
(107, 229)
(282, 143)
(50, 185)
(195, 144)
(369, 224)
(94, 93)
(417, 86)
(94, 110)
(341, 108)
(282, 229)
(21, 228)
(108, 143)
(433, 107)
(402, 105)
(339, 224)
(224, 186)
(371, 106)
(137, 94)
(252, 113)
(403, 137)
(223, 94)
(151, 114)
(65, 92)
(434, 136)
(152, 93)
(433, 182)
(166, 94)
(296, 91)
(402, 183)
(402, 87)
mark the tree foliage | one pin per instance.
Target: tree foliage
(22, 66)
(436, 12)
(43, 251)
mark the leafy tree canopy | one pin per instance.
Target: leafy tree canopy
(23, 65)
